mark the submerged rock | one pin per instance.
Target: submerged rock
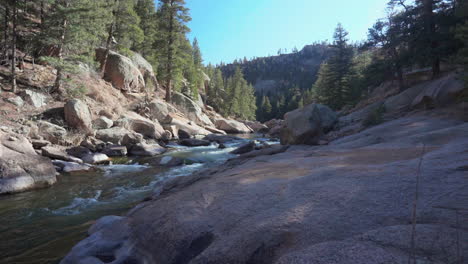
(69, 167)
(194, 142)
(244, 148)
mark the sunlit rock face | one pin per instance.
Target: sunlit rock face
(21, 168)
(347, 202)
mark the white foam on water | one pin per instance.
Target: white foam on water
(77, 205)
(120, 169)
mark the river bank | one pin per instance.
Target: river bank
(42, 226)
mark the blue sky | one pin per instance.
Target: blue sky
(230, 29)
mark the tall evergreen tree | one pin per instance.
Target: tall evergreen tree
(197, 56)
(74, 28)
(146, 11)
(332, 86)
(172, 18)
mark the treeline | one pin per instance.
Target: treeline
(292, 74)
(64, 33)
(232, 96)
(414, 35)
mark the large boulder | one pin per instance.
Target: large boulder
(135, 122)
(440, 92)
(113, 135)
(232, 126)
(145, 68)
(190, 109)
(121, 72)
(77, 115)
(257, 127)
(307, 125)
(21, 168)
(182, 124)
(159, 110)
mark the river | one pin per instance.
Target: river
(41, 226)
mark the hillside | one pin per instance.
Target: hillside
(277, 74)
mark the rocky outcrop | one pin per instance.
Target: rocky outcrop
(257, 127)
(21, 169)
(440, 92)
(77, 115)
(307, 125)
(159, 110)
(136, 123)
(145, 68)
(348, 202)
(190, 109)
(232, 126)
(182, 124)
(34, 98)
(121, 72)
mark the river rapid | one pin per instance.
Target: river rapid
(41, 226)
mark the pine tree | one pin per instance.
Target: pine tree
(266, 109)
(216, 93)
(128, 33)
(146, 11)
(14, 4)
(172, 18)
(332, 86)
(74, 28)
(197, 56)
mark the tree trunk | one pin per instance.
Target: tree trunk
(428, 6)
(13, 48)
(58, 79)
(106, 53)
(170, 55)
(42, 15)
(109, 41)
(5, 33)
(398, 70)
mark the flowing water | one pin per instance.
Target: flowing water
(41, 226)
